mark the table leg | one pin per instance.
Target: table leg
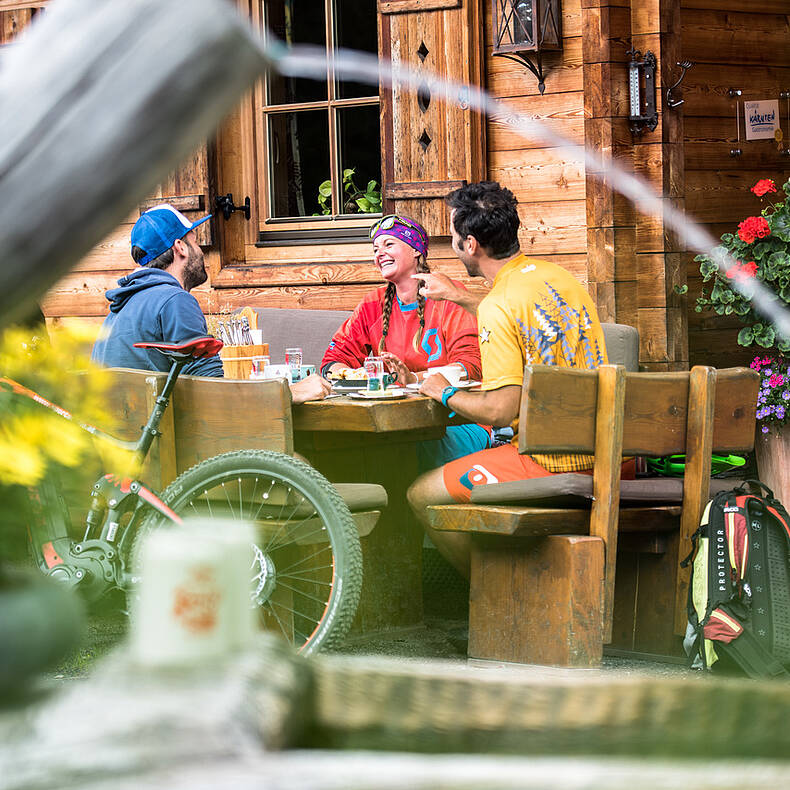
(392, 553)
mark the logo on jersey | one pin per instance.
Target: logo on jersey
(478, 475)
(484, 335)
(432, 336)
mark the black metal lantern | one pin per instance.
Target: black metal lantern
(524, 29)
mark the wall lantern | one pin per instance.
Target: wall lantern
(524, 29)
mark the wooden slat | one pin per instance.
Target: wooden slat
(731, 37)
(696, 481)
(559, 412)
(17, 5)
(345, 414)
(129, 400)
(526, 521)
(606, 478)
(217, 415)
(403, 6)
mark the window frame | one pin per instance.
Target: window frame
(331, 105)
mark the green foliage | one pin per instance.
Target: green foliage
(355, 200)
(728, 290)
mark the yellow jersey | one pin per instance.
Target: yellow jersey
(538, 314)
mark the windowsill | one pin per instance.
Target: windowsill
(301, 237)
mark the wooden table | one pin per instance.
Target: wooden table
(352, 440)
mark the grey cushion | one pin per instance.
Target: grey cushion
(572, 489)
(622, 345)
(311, 330)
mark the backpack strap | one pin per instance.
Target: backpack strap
(752, 657)
(753, 486)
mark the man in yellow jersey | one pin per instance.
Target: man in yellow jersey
(536, 313)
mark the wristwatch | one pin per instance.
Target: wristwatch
(448, 393)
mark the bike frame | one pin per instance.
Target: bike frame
(97, 562)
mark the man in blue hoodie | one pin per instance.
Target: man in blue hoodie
(153, 303)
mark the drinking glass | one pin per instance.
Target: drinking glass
(259, 364)
(293, 358)
(374, 368)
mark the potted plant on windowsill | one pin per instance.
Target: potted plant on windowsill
(760, 252)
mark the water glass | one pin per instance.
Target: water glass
(293, 358)
(374, 369)
(259, 364)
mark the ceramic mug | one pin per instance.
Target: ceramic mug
(453, 373)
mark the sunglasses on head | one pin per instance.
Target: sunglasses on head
(385, 223)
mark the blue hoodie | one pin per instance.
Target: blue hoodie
(151, 306)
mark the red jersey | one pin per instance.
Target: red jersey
(450, 335)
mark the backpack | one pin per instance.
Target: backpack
(739, 592)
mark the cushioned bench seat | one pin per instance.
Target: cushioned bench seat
(575, 490)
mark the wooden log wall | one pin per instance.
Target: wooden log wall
(745, 46)
(550, 186)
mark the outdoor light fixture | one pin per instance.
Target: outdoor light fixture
(524, 29)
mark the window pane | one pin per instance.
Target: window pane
(299, 156)
(296, 22)
(355, 28)
(360, 149)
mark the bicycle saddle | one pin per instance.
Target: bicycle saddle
(192, 349)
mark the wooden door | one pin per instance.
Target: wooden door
(191, 189)
(431, 146)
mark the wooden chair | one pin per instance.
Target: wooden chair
(208, 416)
(543, 559)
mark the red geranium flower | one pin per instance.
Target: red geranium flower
(742, 271)
(762, 186)
(753, 228)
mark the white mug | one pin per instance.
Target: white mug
(193, 602)
(453, 373)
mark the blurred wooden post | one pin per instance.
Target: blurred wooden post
(100, 100)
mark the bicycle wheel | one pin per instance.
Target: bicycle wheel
(306, 562)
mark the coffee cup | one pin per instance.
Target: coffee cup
(453, 373)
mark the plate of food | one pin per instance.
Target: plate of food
(349, 379)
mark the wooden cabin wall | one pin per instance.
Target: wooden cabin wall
(550, 187)
(548, 184)
(744, 46)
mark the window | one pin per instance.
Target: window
(319, 140)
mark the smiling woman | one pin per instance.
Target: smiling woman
(410, 332)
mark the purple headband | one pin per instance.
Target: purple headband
(403, 228)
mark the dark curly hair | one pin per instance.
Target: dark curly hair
(488, 212)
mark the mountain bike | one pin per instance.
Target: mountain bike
(306, 562)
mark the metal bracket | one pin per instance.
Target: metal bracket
(525, 59)
(642, 92)
(672, 102)
(224, 203)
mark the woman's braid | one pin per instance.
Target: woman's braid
(386, 312)
(422, 268)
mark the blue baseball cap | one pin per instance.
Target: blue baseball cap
(158, 229)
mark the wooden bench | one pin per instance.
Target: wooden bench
(543, 560)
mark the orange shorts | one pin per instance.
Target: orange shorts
(498, 465)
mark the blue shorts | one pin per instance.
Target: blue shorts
(458, 441)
